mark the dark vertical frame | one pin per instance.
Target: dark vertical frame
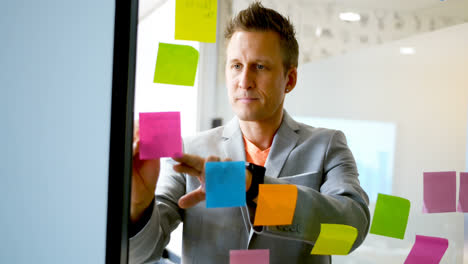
(120, 151)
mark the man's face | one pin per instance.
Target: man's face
(255, 76)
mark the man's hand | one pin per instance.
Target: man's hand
(195, 166)
(145, 174)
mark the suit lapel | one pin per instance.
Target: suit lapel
(283, 143)
(233, 143)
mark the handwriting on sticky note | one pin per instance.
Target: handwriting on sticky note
(334, 239)
(463, 194)
(276, 204)
(196, 20)
(252, 256)
(390, 216)
(440, 190)
(176, 64)
(160, 135)
(427, 250)
(225, 184)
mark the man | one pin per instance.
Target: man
(261, 68)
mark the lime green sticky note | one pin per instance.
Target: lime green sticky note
(390, 216)
(334, 239)
(176, 64)
(196, 20)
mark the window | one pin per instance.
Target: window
(156, 97)
(373, 147)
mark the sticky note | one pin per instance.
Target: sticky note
(463, 195)
(160, 135)
(276, 204)
(196, 20)
(176, 64)
(390, 216)
(252, 256)
(427, 250)
(440, 190)
(334, 239)
(225, 184)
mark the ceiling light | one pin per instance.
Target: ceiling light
(350, 16)
(407, 50)
(318, 31)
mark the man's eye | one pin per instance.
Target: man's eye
(236, 66)
(260, 67)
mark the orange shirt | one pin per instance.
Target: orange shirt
(255, 155)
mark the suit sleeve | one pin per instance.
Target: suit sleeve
(340, 200)
(149, 243)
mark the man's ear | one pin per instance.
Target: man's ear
(292, 79)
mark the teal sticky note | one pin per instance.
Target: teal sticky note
(176, 64)
(390, 216)
(225, 184)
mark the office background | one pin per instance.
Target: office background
(393, 80)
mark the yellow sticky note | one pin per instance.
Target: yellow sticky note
(334, 239)
(196, 20)
(276, 204)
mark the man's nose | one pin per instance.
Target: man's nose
(247, 79)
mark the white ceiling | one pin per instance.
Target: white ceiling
(445, 8)
(452, 8)
(388, 4)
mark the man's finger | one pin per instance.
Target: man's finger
(209, 159)
(193, 161)
(192, 198)
(181, 168)
(213, 159)
(136, 147)
(136, 129)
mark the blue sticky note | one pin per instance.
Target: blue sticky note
(225, 184)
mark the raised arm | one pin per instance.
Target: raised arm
(340, 199)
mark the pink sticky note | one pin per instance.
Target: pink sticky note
(160, 135)
(252, 256)
(463, 195)
(427, 250)
(440, 190)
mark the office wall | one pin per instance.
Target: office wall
(426, 96)
(56, 62)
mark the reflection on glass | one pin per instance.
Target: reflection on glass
(373, 147)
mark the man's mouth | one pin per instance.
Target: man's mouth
(247, 99)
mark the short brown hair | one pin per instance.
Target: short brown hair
(258, 18)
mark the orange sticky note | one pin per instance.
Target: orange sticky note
(276, 204)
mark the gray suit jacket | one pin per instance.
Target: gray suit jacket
(317, 160)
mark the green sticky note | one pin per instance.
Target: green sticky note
(176, 64)
(334, 239)
(390, 216)
(196, 20)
